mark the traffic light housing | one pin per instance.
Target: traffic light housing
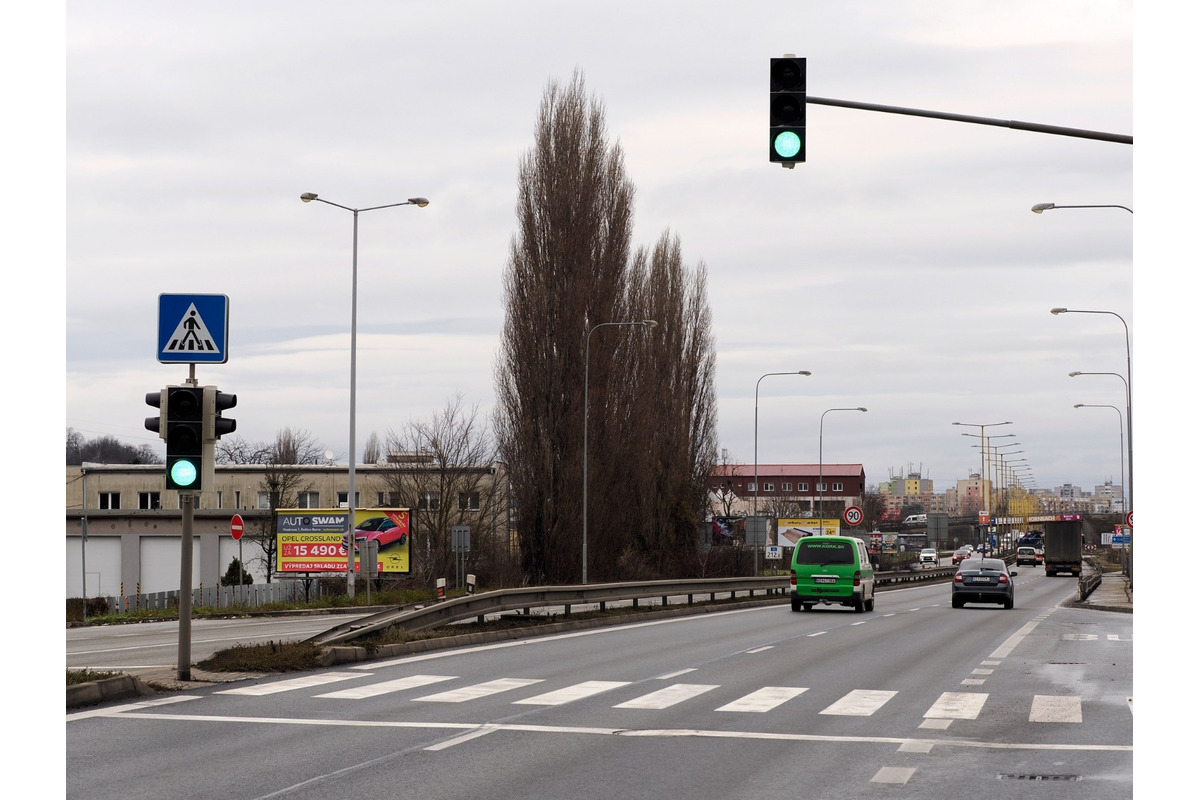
(789, 98)
(158, 424)
(185, 438)
(215, 426)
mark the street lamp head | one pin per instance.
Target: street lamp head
(308, 197)
(803, 372)
(1057, 311)
(650, 323)
(1073, 374)
(860, 408)
(1040, 207)
(420, 202)
(1079, 405)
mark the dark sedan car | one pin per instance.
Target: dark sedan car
(982, 580)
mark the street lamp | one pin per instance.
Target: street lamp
(1128, 392)
(769, 374)
(587, 356)
(1121, 431)
(308, 197)
(985, 500)
(821, 461)
(1040, 207)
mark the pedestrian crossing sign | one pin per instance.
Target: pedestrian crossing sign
(193, 328)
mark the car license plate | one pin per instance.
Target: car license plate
(980, 579)
(824, 580)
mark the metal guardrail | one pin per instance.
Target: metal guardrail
(481, 605)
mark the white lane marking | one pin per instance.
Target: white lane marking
(973, 682)
(859, 703)
(113, 710)
(453, 652)
(958, 705)
(386, 687)
(303, 682)
(664, 698)
(915, 747)
(478, 690)
(936, 724)
(466, 737)
(982, 671)
(764, 699)
(670, 675)
(1055, 708)
(893, 775)
(1004, 650)
(571, 693)
(759, 649)
(818, 633)
(649, 732)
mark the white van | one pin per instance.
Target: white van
(916, 519)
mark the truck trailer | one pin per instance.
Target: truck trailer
(1063, 546)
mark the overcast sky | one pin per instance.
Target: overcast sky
(901, 264)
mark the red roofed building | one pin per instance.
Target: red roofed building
(794, 488)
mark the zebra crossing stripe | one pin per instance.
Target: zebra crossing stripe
(479, 690)
(764, 699)
(957, 705)
(860, 703)
(1056, 708)
(664, 698)
(385, 687)
(304, 682)
(570, 693)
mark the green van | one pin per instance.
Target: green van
(832, 569)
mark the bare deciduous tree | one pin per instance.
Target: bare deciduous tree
(446, 471)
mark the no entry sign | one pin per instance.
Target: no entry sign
(235, 527)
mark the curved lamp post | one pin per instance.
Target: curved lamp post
(984, 499)
(1121, 431)
(760, 380)
(587, 357)
(308, 197)
(1128, 393)
(821, 460)
(1040, 207)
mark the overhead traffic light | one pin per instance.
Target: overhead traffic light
(789, 97)
(185, 437)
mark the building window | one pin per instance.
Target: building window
(111, 500)
(195, 500)
(802, 487)
(308, 500)
(750, 487)
(389, 500)
(787, 487)
(344, 496)
(822, 487)
(768, 487)
(837, 486)
(264, 499)
(237, 499)
(468, 501)
(220, 499)
(429, 501)
(148, 500)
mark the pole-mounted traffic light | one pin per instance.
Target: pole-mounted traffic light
(215, 426)
(789, 91)
(158, 424)
(185, 438)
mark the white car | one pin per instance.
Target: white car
(928, 556)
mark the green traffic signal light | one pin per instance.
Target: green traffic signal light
(183, 473)
(786, 144)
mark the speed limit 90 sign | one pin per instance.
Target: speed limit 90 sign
(852, 515)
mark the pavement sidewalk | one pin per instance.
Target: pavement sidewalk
(1115, 593)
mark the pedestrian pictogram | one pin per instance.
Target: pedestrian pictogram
(193, 328)
(192, 334)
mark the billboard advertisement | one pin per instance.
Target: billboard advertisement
(728, 531)
(313, 539)
(792, 529)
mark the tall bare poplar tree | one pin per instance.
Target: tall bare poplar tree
(569, 271)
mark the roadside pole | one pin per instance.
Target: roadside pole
(184, 673)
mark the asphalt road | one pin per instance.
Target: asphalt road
(914, 699)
